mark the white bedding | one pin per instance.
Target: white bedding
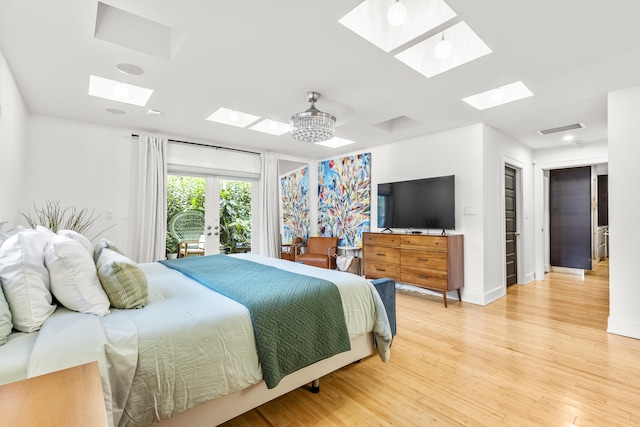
(14, 356)
(188, 345)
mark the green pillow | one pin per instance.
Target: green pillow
(5, 319)
(122, 280)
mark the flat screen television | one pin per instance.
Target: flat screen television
(427, 203)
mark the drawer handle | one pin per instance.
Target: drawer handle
(420, 276)
(381, 254)
(380, 269)
(422, 259)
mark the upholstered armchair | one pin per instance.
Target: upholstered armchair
(320, 252)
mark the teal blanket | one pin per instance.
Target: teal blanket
(297, 319)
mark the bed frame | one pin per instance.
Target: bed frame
(217, 411)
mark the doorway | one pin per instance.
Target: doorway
(511, 228)
(570, 221)
(225, 209)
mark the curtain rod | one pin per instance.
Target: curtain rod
(217, 147)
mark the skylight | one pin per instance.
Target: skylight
(271, 126)
(465, 47)
(498, 96)
(335, 142)
(118, 91)
(230, 117)
(369, 21)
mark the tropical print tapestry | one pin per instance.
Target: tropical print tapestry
(344, 198)
(294, 189)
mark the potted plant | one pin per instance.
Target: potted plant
(172, 247)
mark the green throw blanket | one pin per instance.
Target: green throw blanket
(297, 319)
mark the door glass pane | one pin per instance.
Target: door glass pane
(185, 215)
(235, 216)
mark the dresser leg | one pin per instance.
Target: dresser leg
(459, 297)
(444, 294)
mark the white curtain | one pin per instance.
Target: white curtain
(151, 219)
(269, 232)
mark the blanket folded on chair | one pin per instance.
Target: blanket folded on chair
(297, 319)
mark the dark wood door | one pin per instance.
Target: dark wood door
(510, 225)
(570, 217)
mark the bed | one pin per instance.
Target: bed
(190, 356)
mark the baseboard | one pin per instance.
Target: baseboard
(567, 270)
(530, 278)
(624, 328)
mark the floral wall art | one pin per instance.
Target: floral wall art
(344, 198)
(294, 189)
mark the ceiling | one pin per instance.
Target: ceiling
(261, 57)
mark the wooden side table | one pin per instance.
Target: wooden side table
(70, 397)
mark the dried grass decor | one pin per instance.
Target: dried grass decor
(56, 217)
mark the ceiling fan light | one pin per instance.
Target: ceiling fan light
(313, 125)
(397, 13)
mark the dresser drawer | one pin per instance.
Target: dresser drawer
(437, 243)
(376, 270)
(424, 277)
(433, 260)
(381, 239)
(382, 254)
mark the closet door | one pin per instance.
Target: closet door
(570, 217)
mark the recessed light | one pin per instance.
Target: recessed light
(154, 113)
(227, 116)
(335, 142)
(130, 69)
(114, 111)
(271, 126)
(568, 138)
(498, 96)
(118, 91)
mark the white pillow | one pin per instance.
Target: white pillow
(5, 319)
(25, 279)
(4, 235)
(74, 278)
(86, 243)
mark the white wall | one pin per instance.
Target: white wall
(624, 205)
(88, 165)
(13, 146)
(82, 165)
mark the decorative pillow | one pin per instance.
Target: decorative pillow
(78, 238)
(103, 244)
(25, 279)
(4, 235)
(123, 281)
(73, 276)
(5, 319)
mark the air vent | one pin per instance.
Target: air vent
(561, 129)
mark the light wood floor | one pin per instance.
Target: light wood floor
(539, 356)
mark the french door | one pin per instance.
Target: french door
(227, 208)
(212, 215)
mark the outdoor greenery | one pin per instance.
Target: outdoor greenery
(186, 193)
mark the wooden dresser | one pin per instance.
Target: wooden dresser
(431, 262)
